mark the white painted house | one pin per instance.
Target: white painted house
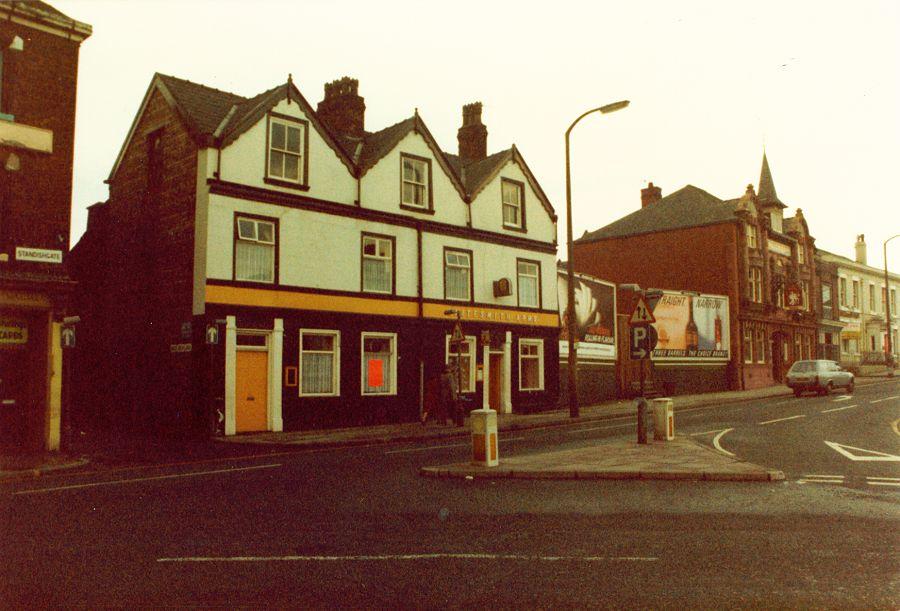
(331, 261)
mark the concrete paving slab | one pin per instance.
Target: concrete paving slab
(679, 459)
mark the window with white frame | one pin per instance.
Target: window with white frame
(377, 264)
(759, 351)
(529, 283)
(872, 303)
(856, 294)
(254, 250)
(512, 196)
(457, 275)
(748, 343)
(894, 311)
(531, 364)
(415, 174)
(804, 291)
(379, 363)
(320, 352)
(755, 277)
(842, 291)
(287, 141)
(466, 359)
(801, 254)
(752, 241)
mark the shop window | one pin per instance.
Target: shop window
(457, 275)
(531, 364)
(379, 363)
(529, 283)
(319, 363)
(254, 250)
(377, 264)
(466, 359)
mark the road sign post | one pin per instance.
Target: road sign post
(643, 339)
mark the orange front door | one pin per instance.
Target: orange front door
(251, 391)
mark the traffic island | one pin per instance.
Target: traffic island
(679, 459)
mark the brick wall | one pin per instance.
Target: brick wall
(145, 290)
(39, 85)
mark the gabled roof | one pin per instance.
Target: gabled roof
(767, 195)
(215, 117)
(687, 207)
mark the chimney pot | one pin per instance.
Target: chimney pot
(861, 249)
(650, 195)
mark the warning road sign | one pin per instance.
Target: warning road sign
(457, 337)
(642, 315)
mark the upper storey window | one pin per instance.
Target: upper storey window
(415, 182)
(752, 240)
(287, 154)
(254, 250)
(457, 275)
(512, 194)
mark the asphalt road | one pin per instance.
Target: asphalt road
(358, 527)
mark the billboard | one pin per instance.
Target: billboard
(595, 316)
(692, 327)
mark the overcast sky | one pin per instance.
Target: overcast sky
(711, 83)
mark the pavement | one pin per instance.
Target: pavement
(682, 458)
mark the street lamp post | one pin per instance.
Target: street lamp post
(570, 269)
(889, 358)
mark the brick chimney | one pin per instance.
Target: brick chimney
(650, 195)
(342, 109)
(861, 249)
(472, 136)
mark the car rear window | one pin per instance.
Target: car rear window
(804, 366)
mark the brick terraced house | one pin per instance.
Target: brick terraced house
(261, 265)
(744, 249)
(39, 49)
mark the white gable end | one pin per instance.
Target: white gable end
(380, 187)
(487, 208)
(244, 161)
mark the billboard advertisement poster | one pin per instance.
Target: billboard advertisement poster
(595, 316)
(692, 327)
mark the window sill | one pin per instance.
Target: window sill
(285, 183)
(514, 228)
(416, 209)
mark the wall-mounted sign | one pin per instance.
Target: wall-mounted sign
(502, 287)
(595, 316)
(180, 347)
(692, 327)
(13, 333)
(793, 296)
(38, 255)
(67, 337)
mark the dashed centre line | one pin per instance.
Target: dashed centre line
(783, 419)
(442, 447)
(885, 399)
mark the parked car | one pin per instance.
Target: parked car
(818, 376)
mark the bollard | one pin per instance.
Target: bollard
(663, 419)
(484, 437)
(641, 420)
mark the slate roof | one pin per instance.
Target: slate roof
(687, 207)
(767, 194)
(205, 109)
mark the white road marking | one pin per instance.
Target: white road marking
(441, 447)
(393, 557)
(885, 399)
(820, 481)
(887, 479)
(783, 419)
(844, 398)
(716, 442)
(871, 483)
(837, 409)
(785, 402)
(869, 455)
(706, 433)
(144, 479)
(602, 428)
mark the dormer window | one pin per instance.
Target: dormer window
(415, 182)
(287, 159)
(512, 194)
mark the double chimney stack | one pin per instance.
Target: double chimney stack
(343, 110)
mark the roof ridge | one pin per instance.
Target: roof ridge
(207, 87)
